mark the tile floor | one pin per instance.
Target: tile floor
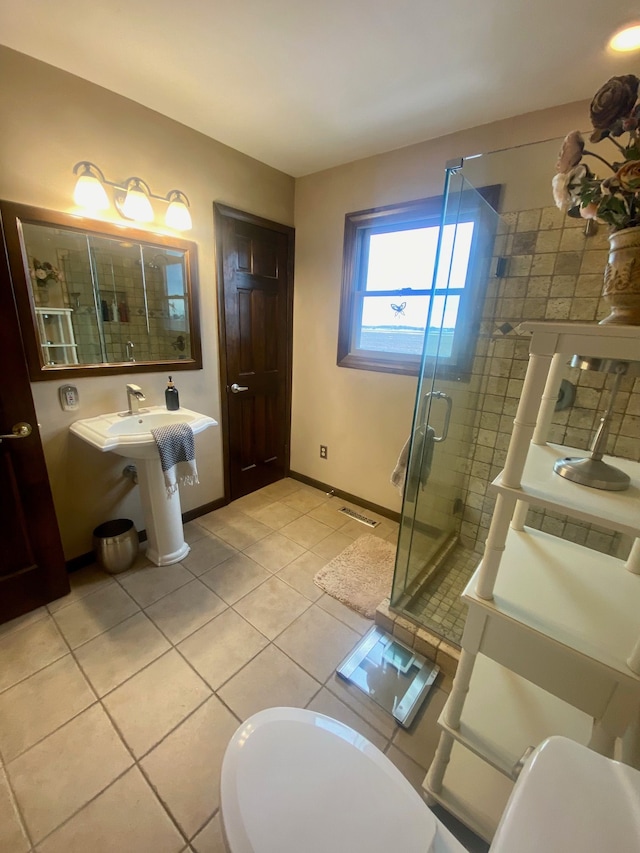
(117, 701)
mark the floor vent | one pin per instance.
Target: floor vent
(369, 522)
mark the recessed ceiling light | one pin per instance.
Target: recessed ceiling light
(626, 39)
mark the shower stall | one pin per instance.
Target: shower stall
(494, 271)
(429, 545)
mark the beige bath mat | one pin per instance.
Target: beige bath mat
(361, 575)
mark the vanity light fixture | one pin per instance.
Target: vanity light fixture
(626, 40)
(90, 192)
(135, 204)
(132, 198)
(178, 215)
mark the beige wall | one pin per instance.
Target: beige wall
(49, 120)
(364, 417)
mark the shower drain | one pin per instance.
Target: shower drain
(369, 522)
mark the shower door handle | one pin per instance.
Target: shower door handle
(440, 395)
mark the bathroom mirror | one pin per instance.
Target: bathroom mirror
(95, 298)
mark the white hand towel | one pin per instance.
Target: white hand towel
(399, 473)
(424, 438)
(176, 446)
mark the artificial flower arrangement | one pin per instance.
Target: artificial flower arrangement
(44, 272)
(614, 199)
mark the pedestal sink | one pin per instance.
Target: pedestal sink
(130, 435)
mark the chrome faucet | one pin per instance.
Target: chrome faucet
(134, 398)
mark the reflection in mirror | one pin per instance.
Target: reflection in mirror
(100, 301)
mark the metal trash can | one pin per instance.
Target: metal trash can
(116, 545)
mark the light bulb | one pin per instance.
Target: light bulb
(137, 206)
(178, 216)
(626, 40)
(90, 194)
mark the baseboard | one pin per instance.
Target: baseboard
(345, 496)
(80, 562)
(203, 510)
(87, 559)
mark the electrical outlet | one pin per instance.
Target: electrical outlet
(323, 451)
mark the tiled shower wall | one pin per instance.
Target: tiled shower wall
(553, 272)
(142, 316)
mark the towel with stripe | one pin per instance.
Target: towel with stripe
(176, 447)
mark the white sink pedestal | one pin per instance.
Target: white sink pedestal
(129, 435)
(162, 515)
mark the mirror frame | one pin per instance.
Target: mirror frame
(13, 215)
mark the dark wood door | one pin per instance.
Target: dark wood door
(32, 565)
(255, 298)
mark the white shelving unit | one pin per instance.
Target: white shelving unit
(57, 339)
(552, 639)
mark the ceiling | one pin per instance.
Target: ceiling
(303, 85)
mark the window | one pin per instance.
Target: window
(388, 289)
(176, 298)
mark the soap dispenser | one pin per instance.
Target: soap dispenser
(171, 397)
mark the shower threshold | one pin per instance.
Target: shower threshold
(395, 676)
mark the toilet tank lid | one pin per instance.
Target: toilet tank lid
(570, 798)
(298, 780)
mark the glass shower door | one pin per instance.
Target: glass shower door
(443, 422)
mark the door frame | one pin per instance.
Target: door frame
(220, 213)
(46, 579)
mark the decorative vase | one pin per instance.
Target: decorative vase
(622, 277)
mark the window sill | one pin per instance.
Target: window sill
(407, 366)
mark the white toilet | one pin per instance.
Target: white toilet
(295, 781)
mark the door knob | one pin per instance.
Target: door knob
(19, 430)
(236, 389)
